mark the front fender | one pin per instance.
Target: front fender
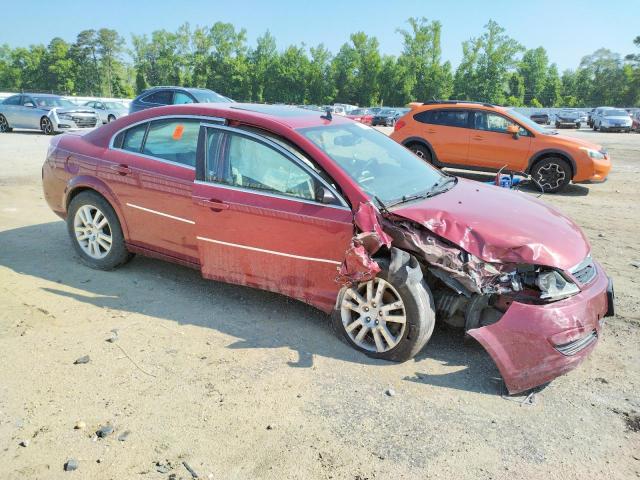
(85, 182)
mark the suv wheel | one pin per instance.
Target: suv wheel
(421, 151)
(553, 174)
(386, 317)
(95, 232)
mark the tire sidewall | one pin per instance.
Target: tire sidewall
(118, 253)
(427, 157)
(420, 315)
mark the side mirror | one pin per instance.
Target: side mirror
(325, 196)
(513, 130)
(29, 104)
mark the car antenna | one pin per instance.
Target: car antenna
(327, 115)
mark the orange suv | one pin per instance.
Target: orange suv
(481, 136)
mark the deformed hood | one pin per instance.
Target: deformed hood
(500, 225)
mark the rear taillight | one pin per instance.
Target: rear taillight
(399, 125)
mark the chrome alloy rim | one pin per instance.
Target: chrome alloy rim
(550, 176)
(373, 315)
(93, 231)
(418, 153)
(4, 126)
(46, 126)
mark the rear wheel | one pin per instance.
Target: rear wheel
(422, 152)
(386, 317)
(578, 125)
(553, 174)
(557, 125)
(46, 126)
(95, 232)
(4, 125)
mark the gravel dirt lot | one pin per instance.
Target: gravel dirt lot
(241, 384)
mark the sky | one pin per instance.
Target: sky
(567, 29)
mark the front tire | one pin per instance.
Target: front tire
(578, 125)
(95, 232)
(553, 174)
(110, 118)
(4, 125)
(390, 317)
(46, 126)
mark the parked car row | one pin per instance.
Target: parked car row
(270, 197)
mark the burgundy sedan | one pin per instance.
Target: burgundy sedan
(335, 214)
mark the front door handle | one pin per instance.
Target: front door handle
(121, 169)
(477, 137)
(212, 203)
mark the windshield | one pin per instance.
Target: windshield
(381, 167)
(616, 113)
(50, 102)
(209, 96)
(530, 124)
(114, 105)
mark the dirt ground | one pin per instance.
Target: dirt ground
(243, 384)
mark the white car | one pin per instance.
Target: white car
(612, 119)
(48, 113)
(108, 111)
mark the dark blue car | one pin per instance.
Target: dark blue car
(159, 96)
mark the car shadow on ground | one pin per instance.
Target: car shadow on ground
(257, 319)
(572, 190)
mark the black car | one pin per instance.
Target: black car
(387, 117)
(541, 118)
(159, 96)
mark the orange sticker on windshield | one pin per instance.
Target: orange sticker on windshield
(177, 133)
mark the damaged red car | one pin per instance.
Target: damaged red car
(334, 213)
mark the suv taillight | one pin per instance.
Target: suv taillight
(399, 125)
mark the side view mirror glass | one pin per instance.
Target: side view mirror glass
(29, 104)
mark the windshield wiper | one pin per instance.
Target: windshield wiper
(437, 188)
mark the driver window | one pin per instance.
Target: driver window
(180, 98)
(493, 122)
(256, 166)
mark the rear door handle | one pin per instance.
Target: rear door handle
(477, 137)
(121, 169)
(212, 203)
(430, 130)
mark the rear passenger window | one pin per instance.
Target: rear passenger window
(163, 97)
(132, 138)
(15, 100)
(447, 118)
(175, 140)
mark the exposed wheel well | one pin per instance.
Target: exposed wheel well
(411, 142)
(549, 155)
(76, 191)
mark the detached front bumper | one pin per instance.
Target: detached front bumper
(533, 344)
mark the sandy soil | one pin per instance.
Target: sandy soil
(241, 384)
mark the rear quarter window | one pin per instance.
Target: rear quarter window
(447, 118)
(162, 97)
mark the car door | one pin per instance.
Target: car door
(101, 111)
(447, 130)
(491, 146)
(30, 114)
(258, 222)
(151, 169)
(11, 110)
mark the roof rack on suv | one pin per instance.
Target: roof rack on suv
(453, 102)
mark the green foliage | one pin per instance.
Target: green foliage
(494, 68)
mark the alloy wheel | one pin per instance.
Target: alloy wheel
(93, 232)
(46, 126)
(4, 125)
(418, 153)
(373, 315)
(550, 176)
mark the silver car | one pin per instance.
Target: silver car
(612, 119)
(108, 111)
(41, 111)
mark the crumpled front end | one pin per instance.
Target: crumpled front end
(533, 344)
(534, 330)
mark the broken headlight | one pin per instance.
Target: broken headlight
(553, 286)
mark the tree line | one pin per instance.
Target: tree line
(494, 68)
